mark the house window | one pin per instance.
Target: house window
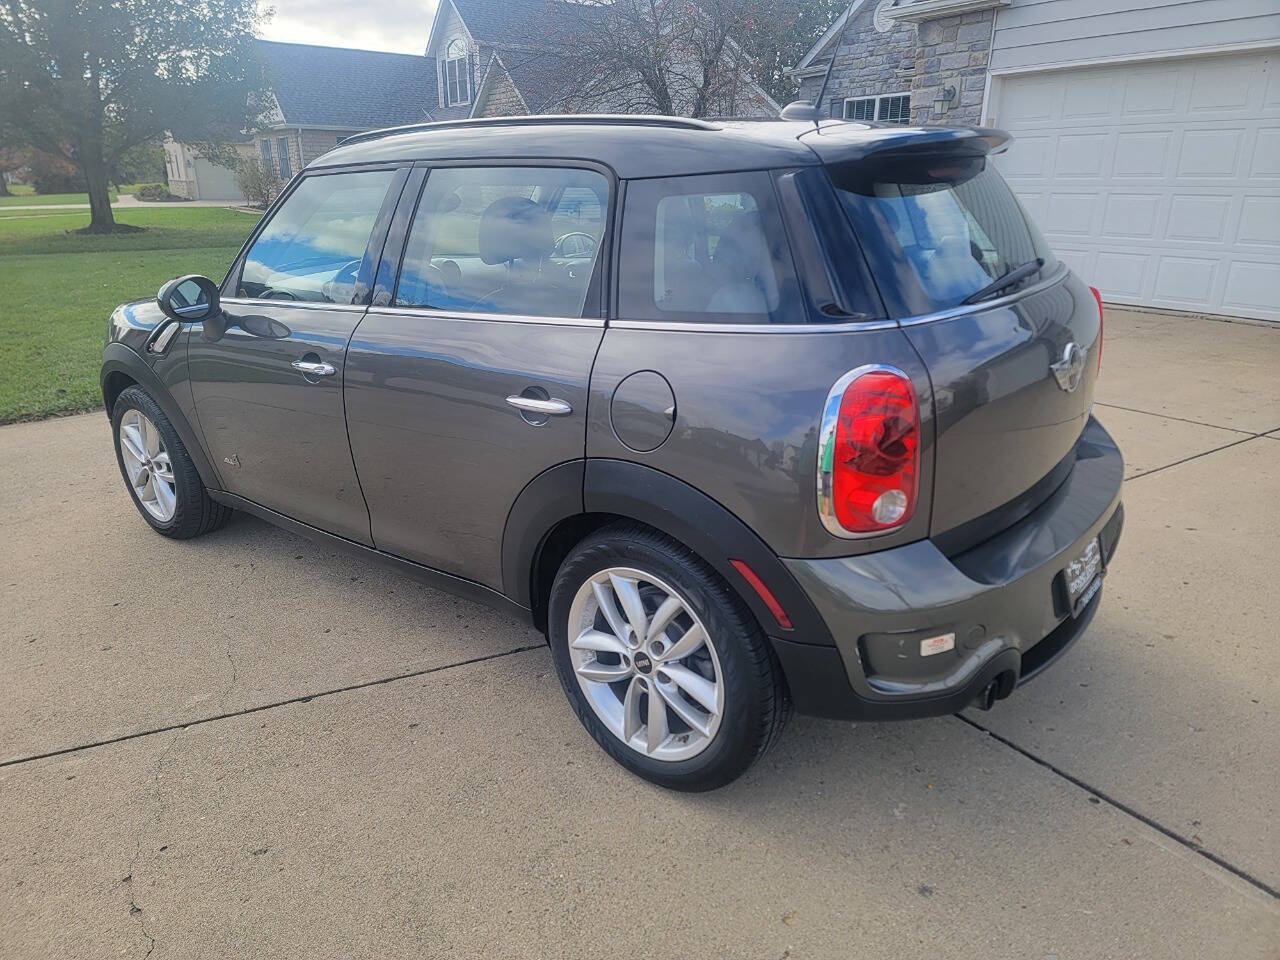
(282, 152)
(890, 108)
(456, 75)
(264, 147)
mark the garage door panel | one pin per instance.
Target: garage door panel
(1148, 93)
(1122, 275)
(1080, 156)
(1134, 215)
(1252, 286)
(1266, 154)
(1141, 154)
(1198, 217)
(1219, 85)
(1209, 153)
(1185, 279)
(1260, 221)
(1072, 214)
(1158, 181)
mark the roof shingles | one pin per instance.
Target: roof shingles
(348, 89)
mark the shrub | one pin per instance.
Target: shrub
(157, 191)
(50, 174)
(259, 183)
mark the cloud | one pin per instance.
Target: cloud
(373, 25)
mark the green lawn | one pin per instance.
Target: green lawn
(23, 196)
(57, 290)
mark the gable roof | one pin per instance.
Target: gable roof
(510, 23)
(833, 31)
(349, 89)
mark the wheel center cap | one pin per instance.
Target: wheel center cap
(643, 663)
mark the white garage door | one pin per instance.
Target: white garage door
(1159, 182)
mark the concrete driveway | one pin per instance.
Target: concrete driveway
(248, 746)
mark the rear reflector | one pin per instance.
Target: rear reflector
(1098, 296)
(869, 452)
(764, 593)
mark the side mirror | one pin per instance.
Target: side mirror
(189, 299)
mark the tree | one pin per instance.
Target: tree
(786, 31)
(670, 57)
(88, 80)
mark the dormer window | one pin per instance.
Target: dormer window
(455, 75)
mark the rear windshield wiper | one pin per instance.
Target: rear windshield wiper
(1016, 275)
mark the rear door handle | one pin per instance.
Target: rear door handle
(552, 407)
(314, 369)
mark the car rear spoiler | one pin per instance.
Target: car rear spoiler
(841, 142)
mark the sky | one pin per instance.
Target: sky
(400, 27)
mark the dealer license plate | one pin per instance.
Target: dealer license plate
(1083, 577)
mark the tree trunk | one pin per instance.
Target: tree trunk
(4, 186)
(101, 219)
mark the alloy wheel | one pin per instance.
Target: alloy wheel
(646, 664)
(147, 463)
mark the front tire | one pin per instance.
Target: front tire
(662, 662)
(158, 472)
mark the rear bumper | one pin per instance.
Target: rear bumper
(1004, 600)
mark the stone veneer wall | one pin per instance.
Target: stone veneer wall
(952, 51)
(868, 63)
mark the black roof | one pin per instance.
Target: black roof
(358, 89)
(637, 147)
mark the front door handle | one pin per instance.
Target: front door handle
(312, 368)
(551, 408)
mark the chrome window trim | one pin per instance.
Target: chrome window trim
(1057, 276)
(304, 304)
(826, 430)
(436, 314)
(692, 326)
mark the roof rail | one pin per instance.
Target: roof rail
(600, 119)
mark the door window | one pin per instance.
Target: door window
(509, 240)
(313, 246)
(709, 249)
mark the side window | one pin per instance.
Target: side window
(513, 240)
(312, 247)
(706, 249)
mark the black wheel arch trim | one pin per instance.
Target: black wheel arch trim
(117, 358)
(638, 492)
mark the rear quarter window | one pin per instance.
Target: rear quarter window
(937, 230)
(706, 249)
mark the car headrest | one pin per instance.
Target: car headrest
(515, 228)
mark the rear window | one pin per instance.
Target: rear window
(936, 229)
(706, 249)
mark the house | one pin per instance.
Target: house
(483, 58)
(196, 177)
(1147, 132)
(507, 57)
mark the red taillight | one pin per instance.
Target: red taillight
(1098, 296)
(869, 453)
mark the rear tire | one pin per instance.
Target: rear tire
(662, 662)
(158, 472)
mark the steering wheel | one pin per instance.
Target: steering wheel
(555, 250)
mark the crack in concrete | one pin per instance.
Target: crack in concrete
(1151, 822)
(1168, 416)
(301, 698)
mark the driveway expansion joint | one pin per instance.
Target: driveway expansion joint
(1197, 456)
(301, 698)
(1173, 835)
(1169, 416)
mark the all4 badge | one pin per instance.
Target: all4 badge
(234, 460)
